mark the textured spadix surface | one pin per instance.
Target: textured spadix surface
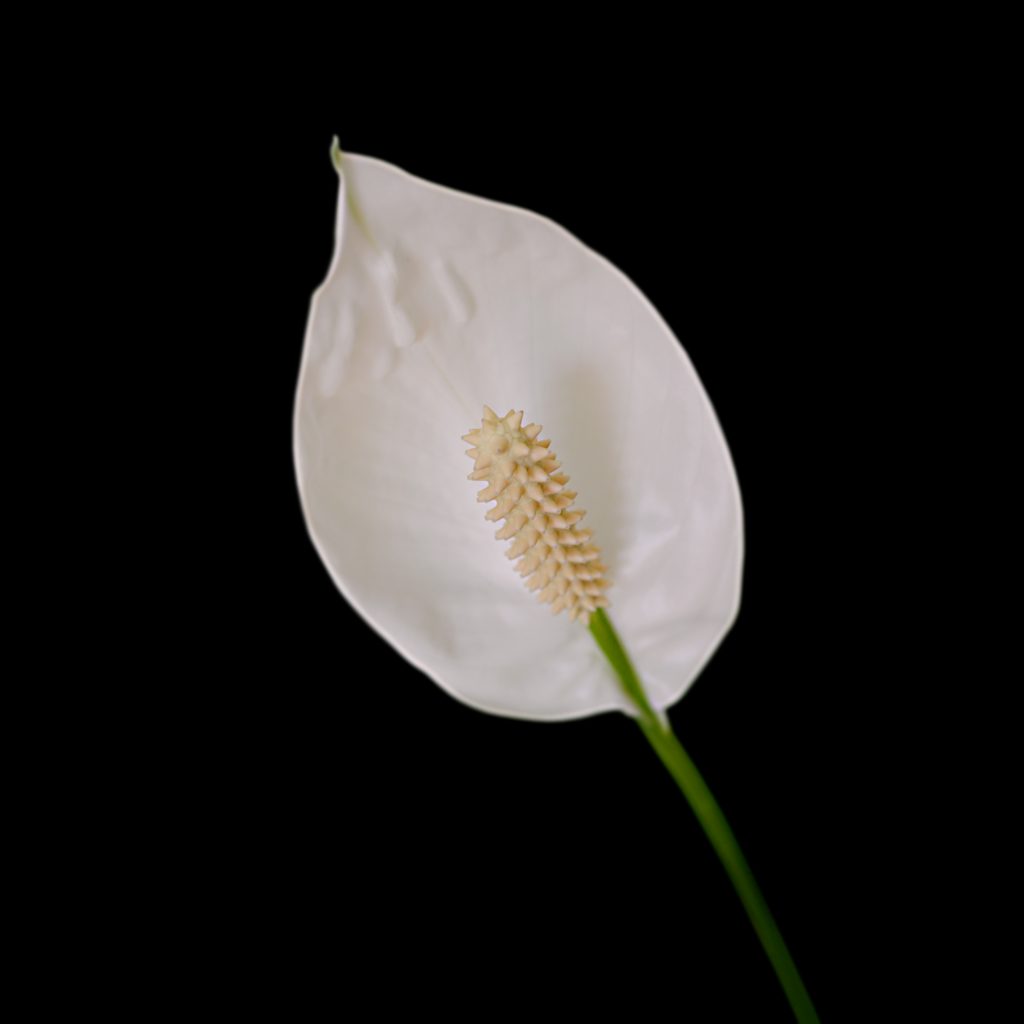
(530, 494)
(435, 303)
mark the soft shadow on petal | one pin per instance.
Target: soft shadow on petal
(436, 303)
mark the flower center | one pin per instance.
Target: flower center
(531, 496)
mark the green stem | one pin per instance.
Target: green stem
(658, 730)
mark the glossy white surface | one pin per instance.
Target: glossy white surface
(437, 302)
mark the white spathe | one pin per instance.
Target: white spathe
(436, 303)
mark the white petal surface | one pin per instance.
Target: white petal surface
(436, 303)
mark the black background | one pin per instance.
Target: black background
(367, 807)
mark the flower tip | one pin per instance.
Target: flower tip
(336, 154)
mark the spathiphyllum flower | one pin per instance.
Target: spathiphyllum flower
(438, 306)
(435, 304)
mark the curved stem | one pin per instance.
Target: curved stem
(658, 730)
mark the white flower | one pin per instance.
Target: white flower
(437, 303)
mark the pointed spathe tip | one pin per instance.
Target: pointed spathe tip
(336, 154)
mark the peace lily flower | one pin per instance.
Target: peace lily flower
(435, 303)
(438, 308)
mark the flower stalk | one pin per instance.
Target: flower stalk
(658, 730)
(560, 561)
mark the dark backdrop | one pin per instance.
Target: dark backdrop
(365, 805)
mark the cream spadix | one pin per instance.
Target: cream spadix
(553, 551)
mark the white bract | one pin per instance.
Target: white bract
(436, 303)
